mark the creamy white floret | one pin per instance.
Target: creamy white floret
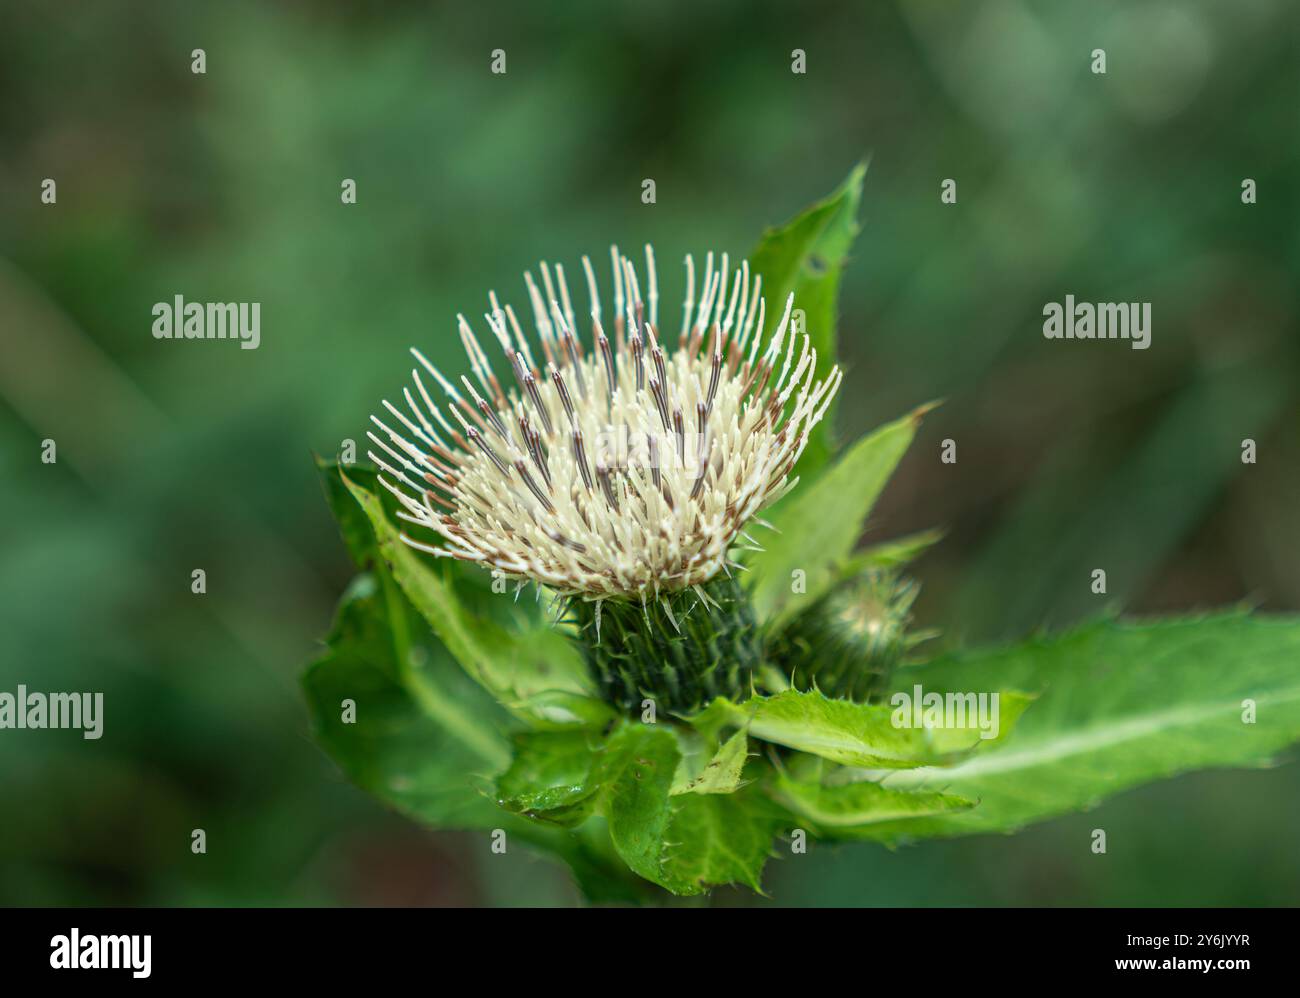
(626, 467)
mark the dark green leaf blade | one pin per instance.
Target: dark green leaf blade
(426, 740)
(806, 256)
(423, 739)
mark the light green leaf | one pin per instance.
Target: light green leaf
(817, 528)
(963, 720)
(514, 665)
(561, 709)
(890, 554)
(718, 839)
(846, 811)
(685, 843)
(1124, 703)
(806, 256)
(714, 718)
(636, 772)
(561, 777)
(553, 776)
(720, 775)
(854, 734)
(839, 730)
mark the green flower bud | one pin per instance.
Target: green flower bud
(848, 642)
(680, 650)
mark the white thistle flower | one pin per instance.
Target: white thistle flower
(623, 469)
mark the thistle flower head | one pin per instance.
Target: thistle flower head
(614, 463)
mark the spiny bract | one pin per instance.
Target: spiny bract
(623, 469)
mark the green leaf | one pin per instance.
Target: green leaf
(426, 739)
(854, 734)
(636, 770)
(358, 537)
(839, 730)
(553, 776)
(655, 827)
(890, 554)
(958, 714)
(713, 719)
(806, 256)
(717, 839)
(423, 737)
(818, 527)
(720, 775)
(1124, 703)
(514, 665)
(846, 811)
(562, 709)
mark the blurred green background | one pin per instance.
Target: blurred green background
(225, 187)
